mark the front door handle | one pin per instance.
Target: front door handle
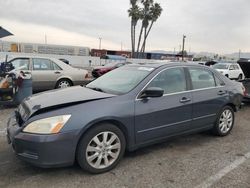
(57, 72)
(221, 92)
(185, 99)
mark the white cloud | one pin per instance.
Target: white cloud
(210, 25)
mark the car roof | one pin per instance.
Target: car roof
(55, 60)
(227, 63)
(168, 64)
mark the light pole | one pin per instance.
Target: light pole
(100, 43)
(183, 46)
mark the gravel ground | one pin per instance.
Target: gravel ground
(199, 160)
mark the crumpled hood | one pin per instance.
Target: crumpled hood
(59, 97)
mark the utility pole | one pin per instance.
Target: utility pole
(183, 46)
(100, 43)
(45, 39)
(121, 46)
(239, 53)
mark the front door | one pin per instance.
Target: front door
(43, 74)
(156, 118)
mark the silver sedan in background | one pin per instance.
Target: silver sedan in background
(49, 73)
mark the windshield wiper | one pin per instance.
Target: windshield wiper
(96, 89)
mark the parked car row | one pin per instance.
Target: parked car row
(49, 73)
(125, 109)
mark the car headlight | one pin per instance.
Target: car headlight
(51, 125)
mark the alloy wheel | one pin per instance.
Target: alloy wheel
(64, 84)
(225, 121)
(103, 150)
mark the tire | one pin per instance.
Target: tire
(63, 83)
(97, 157)
(240, 77)
(224, 122)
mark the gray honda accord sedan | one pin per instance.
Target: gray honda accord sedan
(127, 108)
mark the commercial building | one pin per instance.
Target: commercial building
(44, 49)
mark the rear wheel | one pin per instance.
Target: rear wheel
(63, 83)
(225, 122)
(101, 148)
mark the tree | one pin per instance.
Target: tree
(135, 13)
(155, 13)
(148, 14)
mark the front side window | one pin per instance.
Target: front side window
(170, 80)
(42, 64)
(231, 67)
(21, 64)
(201, 78)
(236, 67)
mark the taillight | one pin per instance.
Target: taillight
(86, 75)
(244, 90)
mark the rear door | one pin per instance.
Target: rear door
(160, 117)
(43, 74)
(209, 96)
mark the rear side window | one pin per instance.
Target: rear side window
(56, 67)
(201, 78)
(42, 64)
(170, 80)
(218, 81)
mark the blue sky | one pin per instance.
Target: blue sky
(220, 26)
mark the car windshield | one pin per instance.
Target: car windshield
(220, 66)
(121, 80)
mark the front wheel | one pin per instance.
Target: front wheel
(63, 83)
(101, 148)
(225, 122)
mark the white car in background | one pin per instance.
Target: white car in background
(230, 70)
(49, 73)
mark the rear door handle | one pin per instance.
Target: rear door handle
(185, 99)
(221, 92)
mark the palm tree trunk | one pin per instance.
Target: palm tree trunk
(132, 39)
(145, 38)
(139, 41)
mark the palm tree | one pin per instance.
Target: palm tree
(145, 17)
(148, 14)
(134, 12)
(154, 14)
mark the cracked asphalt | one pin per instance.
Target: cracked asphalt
(199, 160)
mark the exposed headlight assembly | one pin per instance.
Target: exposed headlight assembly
(51, 125)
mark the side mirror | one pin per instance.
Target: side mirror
(152, 92)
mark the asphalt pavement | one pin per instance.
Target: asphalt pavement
(200, 160)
